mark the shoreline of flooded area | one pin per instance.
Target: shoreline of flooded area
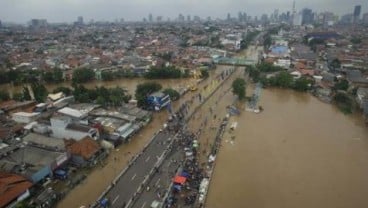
(299, 152)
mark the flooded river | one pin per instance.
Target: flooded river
(299, 152)
(128, 84)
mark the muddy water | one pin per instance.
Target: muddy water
(128, 84)
(299, 152)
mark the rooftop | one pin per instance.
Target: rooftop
(44, 141)
(12, 186)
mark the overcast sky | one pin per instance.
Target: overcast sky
(21, 11)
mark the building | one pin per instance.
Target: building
(63, 128)
(24, 117)
(44, 142)
(150, 18)
(84, 152)
(13, 188)
(307, 16)
(365, 18)
(357, 10)
(158, 100)
(80, 20)
(38, 23)
(32, 162)
(347, 19)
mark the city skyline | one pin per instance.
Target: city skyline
(21, 11)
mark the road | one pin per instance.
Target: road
(160, 182)
(135, 179)
(132, 179)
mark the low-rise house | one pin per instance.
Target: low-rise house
(84, 152)
(63, 128)
(12, 106)
(13, 188)
(32, 162)
(44, 142)
(356, 78)
(25, 117)
(361, 96)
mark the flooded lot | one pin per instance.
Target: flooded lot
(299, 152)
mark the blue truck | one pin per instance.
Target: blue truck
(158, 100)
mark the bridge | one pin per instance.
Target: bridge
(252, 104)
(236, 61)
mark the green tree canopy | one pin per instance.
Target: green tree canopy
(40, 92)
(83, 75)
(143, 90)
(163, 73)
(4, 96)
(238, 87)
(341, 85)
(204, 73)
(302, 84)
(174, 95)
(66, 90)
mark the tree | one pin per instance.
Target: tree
(356, 40)
(163, 73)
(254, 73)
(118, 96)
(83, 75)
(336, 63)
(26, 95)
(344, 102)
(107, 76)
(267, 67)
(40, 92)
(4, 96)
(174, 95)
(18, 96)
(341, 85)
(143, 90)
(301, 84)
(283, 79)
(239, 88)
(48, 77)
(81, 94)
(204, 73)
(57, 75)
(66, 90)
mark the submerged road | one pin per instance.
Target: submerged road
(126, 187)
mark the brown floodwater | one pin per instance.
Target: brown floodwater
(299, 152)
(128, 84)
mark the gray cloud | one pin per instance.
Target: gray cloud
(68, 10)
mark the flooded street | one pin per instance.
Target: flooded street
(101, 177)
(299, 152)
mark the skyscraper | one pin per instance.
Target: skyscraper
(357, 10)
(228, 17)
(150, 17)
(307, 16)
(80, 20)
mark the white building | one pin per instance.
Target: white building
(63, 127)
(24, 117)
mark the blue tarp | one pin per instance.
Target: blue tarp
(185, 174)
(104, 202)
(177, 187)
